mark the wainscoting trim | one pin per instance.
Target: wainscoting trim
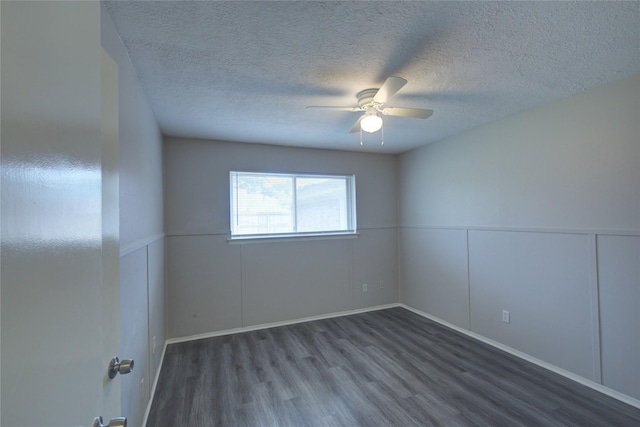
(587, 231)
(134, 246)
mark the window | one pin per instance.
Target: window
(276, 204)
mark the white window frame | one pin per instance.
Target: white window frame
(351, 208)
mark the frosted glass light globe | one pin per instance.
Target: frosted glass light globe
(371, 123)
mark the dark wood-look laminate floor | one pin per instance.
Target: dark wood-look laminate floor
(383, 368)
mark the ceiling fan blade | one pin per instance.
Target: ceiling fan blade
(356, 127)
(390, 87)
(317, 107)
(416, 113)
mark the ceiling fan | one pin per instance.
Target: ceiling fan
(371, 103)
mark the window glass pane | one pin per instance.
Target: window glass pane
(289, 204)
(263, 204)
(321, 204)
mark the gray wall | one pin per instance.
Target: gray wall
(538, 214)
(215, 285)
(142, 287)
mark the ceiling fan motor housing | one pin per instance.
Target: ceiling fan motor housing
(365, 99)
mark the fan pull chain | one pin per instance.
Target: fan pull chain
(382, 134)
(361, 135)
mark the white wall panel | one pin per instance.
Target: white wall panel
(619, 285)
(290, 280)
(157, 314)
(543, 280)
(375, 259)
(205, 285)
(134, 317)
(434, 273)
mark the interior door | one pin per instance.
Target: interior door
(59, 235)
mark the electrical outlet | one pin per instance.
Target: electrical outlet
(381, 284)
(364, 288)
(506, 316)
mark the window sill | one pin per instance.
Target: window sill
(292, 237)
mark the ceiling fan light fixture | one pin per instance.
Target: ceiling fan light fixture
(371, 123)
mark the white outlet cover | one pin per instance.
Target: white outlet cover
(506, 316)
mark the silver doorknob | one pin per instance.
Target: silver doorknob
(115, 422)
(117, 367)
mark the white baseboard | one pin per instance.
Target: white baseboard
(567, 374)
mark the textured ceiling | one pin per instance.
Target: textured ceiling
(245, 71)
